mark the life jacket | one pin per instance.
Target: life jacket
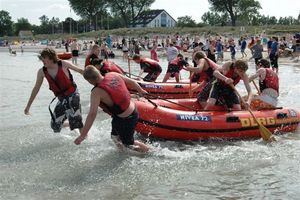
(117, 90)
(230, 74)
(207, 75)
(108, 66)
(271, 81)
(61, 85)
(153, 66)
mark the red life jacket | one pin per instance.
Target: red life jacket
(152, 65)
(115, 86)
(108, 66)
(271, 81)
(208, 74)
(230, 74)
(61, 85)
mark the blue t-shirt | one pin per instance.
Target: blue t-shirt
(244, 44)
(269, 44)
(274, 48)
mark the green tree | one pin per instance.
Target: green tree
(22, 24)
(90, 9)
(129, 10)
(44, 27)
(235, 8)
(186, 21)
(214, 19)
(6, 25)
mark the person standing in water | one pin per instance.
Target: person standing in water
(111, 94)
(61, 83)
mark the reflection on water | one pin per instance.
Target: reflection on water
(36, 163)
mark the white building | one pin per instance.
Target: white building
(154, 18)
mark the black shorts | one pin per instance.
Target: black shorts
(204, 94)
(75, 53)
(173, 69)
(223, 93)
(151, 76)
(274, 60)
(124, 127)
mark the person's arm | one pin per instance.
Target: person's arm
(95, 101)
(35, 90)
(248, 88)
(197, 69)
(217, 73)
(133, 84)
(261, 73)
(72, 66)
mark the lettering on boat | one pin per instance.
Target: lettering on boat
(194, 118)
(246, 122)
(151, 86)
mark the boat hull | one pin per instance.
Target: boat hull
(175, 124)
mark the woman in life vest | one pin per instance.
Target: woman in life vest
(149, 66)
(61, 83)
(110, 93)
(230, 73)
(93, 54)
(174, 68)
(268, 85)
(205, 69)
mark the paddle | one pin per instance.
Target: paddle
(264, 132)
(258, 90)
(129, 68)
(190, 89)
(167, 100)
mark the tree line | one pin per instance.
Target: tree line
(111, 14)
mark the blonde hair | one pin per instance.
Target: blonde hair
(91, 73)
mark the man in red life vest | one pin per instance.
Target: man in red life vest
(148, 65)
(105, 66)
(230, 73)
(110, 93)
(61, 83)
(174, 68)
(268, 83)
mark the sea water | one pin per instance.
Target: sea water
(36, 163)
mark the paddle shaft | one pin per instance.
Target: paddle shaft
(258, 90)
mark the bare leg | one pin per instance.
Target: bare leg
(167, 76)
(210, 102)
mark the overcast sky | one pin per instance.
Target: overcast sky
(33, 9)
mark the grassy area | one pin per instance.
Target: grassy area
(202, 31)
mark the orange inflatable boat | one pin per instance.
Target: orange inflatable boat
(64, 56)
(184, 120)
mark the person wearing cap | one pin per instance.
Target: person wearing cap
(268, 85)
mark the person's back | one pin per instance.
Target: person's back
(172, 52)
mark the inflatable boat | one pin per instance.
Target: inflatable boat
(64, 56)
(183, 120)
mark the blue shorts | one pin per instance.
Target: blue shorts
(124, 127)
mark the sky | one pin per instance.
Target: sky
(33, 9)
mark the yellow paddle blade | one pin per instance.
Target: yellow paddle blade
(266, 134)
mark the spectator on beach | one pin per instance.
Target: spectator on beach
(174, 68)
(75, 51)
(243, 47)
(274, 54)
(268, 84)
(172, 52)
(111, 94)
(231, 46)
(219, 50)
(93, 54)
(61, 83)
(149, 66)
(257, 50)
(153, 52)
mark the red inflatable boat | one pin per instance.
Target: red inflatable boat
(64, 56)
(184, 120)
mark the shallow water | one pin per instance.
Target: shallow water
(38, 164)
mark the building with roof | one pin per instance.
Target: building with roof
(154, 18)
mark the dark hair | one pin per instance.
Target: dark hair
(241, 64)
(96, 61)
(264, 62)
(136, 57)
(48, 53)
